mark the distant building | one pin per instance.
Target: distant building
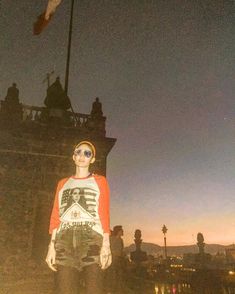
(230, 255)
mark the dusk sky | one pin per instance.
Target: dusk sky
(165, 74)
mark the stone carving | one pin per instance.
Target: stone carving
(138, 255)
(11, 108)
(12, 94)
(96, 111)
(56, 97)
(200, 243)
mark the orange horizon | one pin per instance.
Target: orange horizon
(128, 242)
(170, 239)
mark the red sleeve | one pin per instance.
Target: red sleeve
(55, 217)
(103, 208)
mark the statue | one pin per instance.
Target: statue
(96, 120)
(138, 255)
(12, 94)
(200, 243)
(56, 97)
(11, 108)
(202, 258)
(96, 111)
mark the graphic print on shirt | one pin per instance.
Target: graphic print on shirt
(78, 207)
(80, 216)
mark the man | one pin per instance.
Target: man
(115, 274)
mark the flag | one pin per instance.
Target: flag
(45, 17)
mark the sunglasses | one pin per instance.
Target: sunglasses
(86, 153)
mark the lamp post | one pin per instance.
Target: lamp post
(164, 230)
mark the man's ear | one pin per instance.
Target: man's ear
(93, 160)
(73, 157)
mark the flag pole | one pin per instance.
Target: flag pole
(69, 49)
(68, 57)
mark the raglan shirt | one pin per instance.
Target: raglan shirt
(81, 215)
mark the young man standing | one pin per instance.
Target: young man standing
(115, 280)
(80, 229)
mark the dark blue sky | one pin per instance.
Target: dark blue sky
(165, 73)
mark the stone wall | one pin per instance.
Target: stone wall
(33, 157)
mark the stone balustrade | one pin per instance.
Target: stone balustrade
(35, 113)
(44, 115)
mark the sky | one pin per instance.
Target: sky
(165, 74)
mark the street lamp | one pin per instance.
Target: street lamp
(164, 230)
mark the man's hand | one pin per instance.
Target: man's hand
(50, 259)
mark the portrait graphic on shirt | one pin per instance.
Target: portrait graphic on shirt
(78, 201)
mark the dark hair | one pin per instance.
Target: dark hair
(72, 190)
(116, 229)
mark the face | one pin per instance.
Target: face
(120, 233)
(75, 195)
(83, 156)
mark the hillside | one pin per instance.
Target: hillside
(151, 248)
